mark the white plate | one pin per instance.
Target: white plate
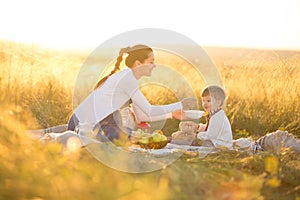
(194, 114)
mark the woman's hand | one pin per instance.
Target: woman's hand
(187, 103)
(179, 114)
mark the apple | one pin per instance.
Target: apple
(159, 132)
(163, 138)
(156, 137)
(144, 140)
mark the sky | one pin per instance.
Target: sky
(266, 24)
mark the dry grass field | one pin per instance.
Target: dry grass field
(36, 91)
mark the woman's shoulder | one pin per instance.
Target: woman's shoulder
(125, 74)
(124, 79)
(122, 72)
(128, 74)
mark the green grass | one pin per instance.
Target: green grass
(36, 92)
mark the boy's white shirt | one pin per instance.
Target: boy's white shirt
(219, 130)
(114, 93)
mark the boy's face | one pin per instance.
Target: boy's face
(206, 103)
(209, 103)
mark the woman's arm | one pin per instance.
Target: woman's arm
(131, 87)
(141, 102)
(141, 116)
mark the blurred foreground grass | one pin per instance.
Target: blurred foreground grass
(36, 92)
(29, 170)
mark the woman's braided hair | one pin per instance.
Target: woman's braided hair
(138, 52)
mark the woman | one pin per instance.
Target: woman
(101, 107)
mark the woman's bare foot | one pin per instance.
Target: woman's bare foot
(47, 138)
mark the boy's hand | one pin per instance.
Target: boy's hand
(201, 127)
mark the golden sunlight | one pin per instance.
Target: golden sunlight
(258, 24)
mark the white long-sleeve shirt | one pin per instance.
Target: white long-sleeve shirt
(140, 116)
(114, 93)
(219, 130)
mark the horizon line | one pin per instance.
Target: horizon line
(89, 47)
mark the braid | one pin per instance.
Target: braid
(116, 68)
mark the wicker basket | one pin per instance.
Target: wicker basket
(154, 145)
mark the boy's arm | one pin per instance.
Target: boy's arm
(201, 127)
(203, 136)
(218, 131)
(213, 131)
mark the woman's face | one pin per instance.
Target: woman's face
(148, 65)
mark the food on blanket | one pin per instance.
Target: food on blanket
(138, 133)
(144, 126)
(163, 138)
(156, 137)
(153, 138)
(156, 140)
(144, 140)
(154, 145)
(159, 131)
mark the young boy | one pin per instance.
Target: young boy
(217, 130)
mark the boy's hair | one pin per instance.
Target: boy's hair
(215, 92)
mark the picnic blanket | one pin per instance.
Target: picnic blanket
(274, 142)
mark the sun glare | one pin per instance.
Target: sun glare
(61, 24)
